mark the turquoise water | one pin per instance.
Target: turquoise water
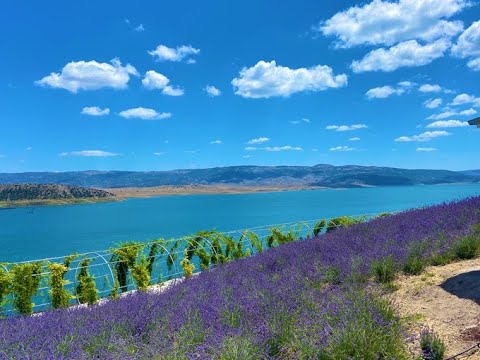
(60, 230)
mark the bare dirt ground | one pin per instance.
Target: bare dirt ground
(446, 299)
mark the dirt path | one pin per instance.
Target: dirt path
(447, 299)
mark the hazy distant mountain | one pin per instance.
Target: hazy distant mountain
(48, 192)
(471, 172)
(318, 175)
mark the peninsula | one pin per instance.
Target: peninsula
(15, 195)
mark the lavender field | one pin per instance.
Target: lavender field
(320, 298)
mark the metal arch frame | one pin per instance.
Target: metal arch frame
(175, 269)
(212, 248)
(243, 239)
(85, 255)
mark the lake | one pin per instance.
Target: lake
(40, 232)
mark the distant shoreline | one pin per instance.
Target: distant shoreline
(52, 202)
(146, 192)
(172, 190)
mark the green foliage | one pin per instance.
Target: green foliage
(154, 250)
(276, 237)
(216, 250)
(140, 273)
(4, 286)
(467, 247)
(173, 256)
(439, 259)
(414, 265)
(361, 336)
(86, 289)
(24, 284)
(431, 345)
(188, 267)
(384, 270)
(116, 286)
(239, 347)
(59, 295)
(127, 258)
(254, 241)
(319, 227)
(204, 258)
(384, 214)
(343, 221)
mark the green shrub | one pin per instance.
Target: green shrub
(467, 247)
(277, 237)
(126, 258)
(439, 259)
(86, 289)
(188, 267)
(24, 284)
(254, 241)
(140, 273)
(358, 331)
(59, 295)
(319, 227)
(342, 221)
(431, 345)
(384, 270)
(4, 286)
(414, 265)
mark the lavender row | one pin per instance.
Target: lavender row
(298, 300)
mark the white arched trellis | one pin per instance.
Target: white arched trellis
(105, 262)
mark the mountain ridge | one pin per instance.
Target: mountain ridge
(324, 175)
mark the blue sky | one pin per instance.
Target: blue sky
(161, 85)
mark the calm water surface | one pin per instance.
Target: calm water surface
(39, 232)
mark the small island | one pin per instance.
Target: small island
(15, 195)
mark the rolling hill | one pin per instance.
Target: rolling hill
(318, 175)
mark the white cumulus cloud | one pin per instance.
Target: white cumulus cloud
(346, 127)
(90, 75)
(405, 54)
(425, 149)
(165, 53)
(463, 99)
(383, 92)
(95, 111)
(423, 137)
(144, 114)
(282, 148)
(389, 22)
(356, 138)
(89, 153)
(342, 148)
(154, 80)
(212, 91)
(449, 113)
(267, 79)
(468, 43)
(216, 142)
(260, 140)
(426, 88)
(447, 124)
(432, 103)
